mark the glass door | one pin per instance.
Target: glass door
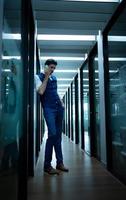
(96, 109)
(117, 94)
(86, 109)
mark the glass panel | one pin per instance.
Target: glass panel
(73, 95)
(86, 109)
(96, 101)
(71, 110)
(66, 115)
(117, 89)
(76, 111)
(11, 101)
(68, 112)
(79, 110)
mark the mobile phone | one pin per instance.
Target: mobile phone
(45, 67)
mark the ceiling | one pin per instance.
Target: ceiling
(63, 18)
(69, 18)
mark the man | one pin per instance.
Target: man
(53, 109)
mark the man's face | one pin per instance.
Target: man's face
(52, 67)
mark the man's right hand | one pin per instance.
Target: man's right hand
(47, 72)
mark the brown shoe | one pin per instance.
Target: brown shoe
(51, 171)
(62, 168)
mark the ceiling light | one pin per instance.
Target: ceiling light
(117, 59)
(65, 79)
(106, 1)
(111, 71)
(11, 57)
(11, 36)
(65, 71)
(86, 79)
(63, 58)
(117, 38)
(6, 70)
(63, 85)
(17, 36)
(62, 90)
(114, 59)
(67, 37)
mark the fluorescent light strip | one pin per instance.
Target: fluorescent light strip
(6, 70)
(46, 57)
(117, 59)
(63, 58)
(105, 1)
(86, 79)
(62, 90)
(67, 37)
(64, 85)
(111, 71)
(11, 36)
(11, 57)
(17, 36)
(65, 79)
(65, 71)
(114, 59)
(117, 38)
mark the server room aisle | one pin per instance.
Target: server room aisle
(86, 180)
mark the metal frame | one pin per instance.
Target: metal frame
(71, 110)
(68, 112)
(1, 23)
(23, 145)
(76, 111)
(38, 116)
(103, 141)
(79, 109)
(31, 133)
(82, 114)
(89, 61)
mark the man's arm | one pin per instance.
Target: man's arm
(41, 86)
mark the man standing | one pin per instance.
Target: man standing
(53, 109)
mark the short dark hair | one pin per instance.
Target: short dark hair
(50, 61)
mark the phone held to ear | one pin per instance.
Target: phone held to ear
(45, 67)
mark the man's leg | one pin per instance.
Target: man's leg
(49, 115)
(58, 140)
(48, 153)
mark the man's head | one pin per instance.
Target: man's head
(51, 64)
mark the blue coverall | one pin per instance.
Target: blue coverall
(53, 114)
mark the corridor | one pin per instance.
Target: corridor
(87, 179)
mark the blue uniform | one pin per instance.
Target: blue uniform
(53, 113)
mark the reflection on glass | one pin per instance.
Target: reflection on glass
(11, 104)
(117, 97)
(97, 120)
(86, 109)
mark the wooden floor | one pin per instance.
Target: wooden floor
(87, 179)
